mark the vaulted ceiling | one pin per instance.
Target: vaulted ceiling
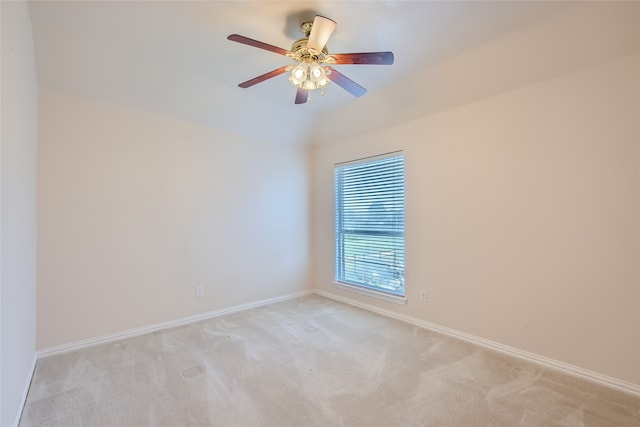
(173, 58)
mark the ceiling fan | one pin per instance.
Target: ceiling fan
(312, 68)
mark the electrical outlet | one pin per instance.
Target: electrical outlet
(424, 296)
(199, 291)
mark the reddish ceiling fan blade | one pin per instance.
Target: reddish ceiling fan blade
(372, 58)
(346, 83)
(255, 43)
(302, 96)
(321, 30)
(263, 77)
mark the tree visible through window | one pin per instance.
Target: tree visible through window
(369, 209)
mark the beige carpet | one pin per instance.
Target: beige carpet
(310, 362)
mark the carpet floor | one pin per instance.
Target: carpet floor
(310, 361)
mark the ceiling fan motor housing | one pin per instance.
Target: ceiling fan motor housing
(302, 54)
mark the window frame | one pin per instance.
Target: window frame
(339, 230)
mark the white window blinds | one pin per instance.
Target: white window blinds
(369, 215)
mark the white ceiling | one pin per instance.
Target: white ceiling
(173, 59)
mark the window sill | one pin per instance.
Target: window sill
(397, 299)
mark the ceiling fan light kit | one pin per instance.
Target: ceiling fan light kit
(309, 76)
(310, 54)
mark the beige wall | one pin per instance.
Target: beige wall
(135, 210)
(522, 217)
(18, 208)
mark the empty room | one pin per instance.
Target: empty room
(345, 213)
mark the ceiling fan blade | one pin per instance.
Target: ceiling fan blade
(321, 30)
(263, 77)
(346, 83)
(373, 58)
(302, 96)
(255, 43)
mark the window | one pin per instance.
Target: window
(369, 203)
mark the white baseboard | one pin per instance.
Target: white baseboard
(64, 348)
(25, 392)
(511, 351)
